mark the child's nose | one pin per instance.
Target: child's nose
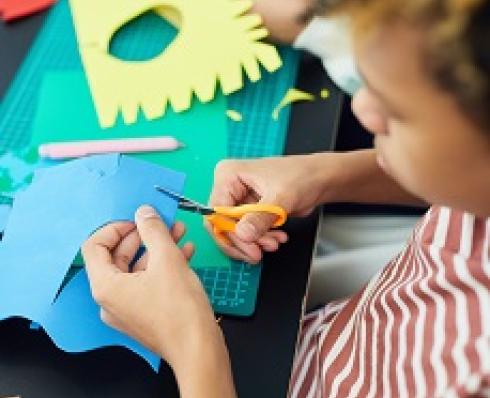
(368, 112)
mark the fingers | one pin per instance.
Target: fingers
(97, 254)
(111, 235)
(227, 194)
(239, 250)
(177, 231)
(188, 250)
(227, 190)
(125, 252)
(254, 225)
(142, 263)
(269, 243)
(97, 250)
(250, 252)
(154, 233)
(278, 234)
(109, 319)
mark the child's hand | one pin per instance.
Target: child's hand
(294, 183)
(161, 303)
(285, 19)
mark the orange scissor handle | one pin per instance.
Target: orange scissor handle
(226, 218)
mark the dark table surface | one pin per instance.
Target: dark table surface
(261, 347)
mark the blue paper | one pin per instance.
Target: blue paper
(4, 214)
(73, 323)
(52, 218)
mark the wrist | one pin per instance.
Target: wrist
(196, 324)
(330, 174)
(203, 368)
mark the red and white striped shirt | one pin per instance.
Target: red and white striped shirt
(419, 328)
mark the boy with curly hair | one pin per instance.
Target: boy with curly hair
(421, 326)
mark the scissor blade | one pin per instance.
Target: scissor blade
(196, 208)
(174, 195)
(185, 203)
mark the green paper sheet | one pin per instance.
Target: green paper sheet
(66, 113)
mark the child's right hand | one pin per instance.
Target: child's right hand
(294, 183)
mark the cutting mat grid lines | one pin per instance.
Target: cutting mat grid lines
(231, 291)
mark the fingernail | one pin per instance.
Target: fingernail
(146, 211)
(246, 231)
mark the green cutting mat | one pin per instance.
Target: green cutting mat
(232, 291)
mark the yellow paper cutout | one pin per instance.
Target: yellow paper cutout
(234, 115)
(171, 15)
(324, 93)
(215, 42)
(292, 95)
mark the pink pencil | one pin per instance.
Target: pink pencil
(76, 149)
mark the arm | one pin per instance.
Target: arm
(298, 184)
(161, 302)
(359, 179)
(206, 370)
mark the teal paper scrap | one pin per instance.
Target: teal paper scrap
(52, 218)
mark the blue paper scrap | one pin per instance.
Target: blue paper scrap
(47, 225)
(4, 214)
(74, 324)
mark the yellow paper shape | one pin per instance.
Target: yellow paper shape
(171, 15)
(234, 115)
(292, 95)
(215, 42)
(324, 93)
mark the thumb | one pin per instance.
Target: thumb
(255, 225)
(154, 233)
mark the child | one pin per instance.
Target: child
(421, 326)
(353, 244)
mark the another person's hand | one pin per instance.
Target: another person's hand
(284, 19)
(160, 302)
(294, 183)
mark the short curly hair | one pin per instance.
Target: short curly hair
(458, 42)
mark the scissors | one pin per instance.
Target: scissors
(224, 218)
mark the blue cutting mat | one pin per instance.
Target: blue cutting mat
(231, 291)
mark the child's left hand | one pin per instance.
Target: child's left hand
(161, 303)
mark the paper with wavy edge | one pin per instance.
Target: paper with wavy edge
(215, 42)
(50, 220)
(73, 323)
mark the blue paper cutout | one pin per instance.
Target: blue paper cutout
(74, 324)
(52, 218)
(4, 214)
